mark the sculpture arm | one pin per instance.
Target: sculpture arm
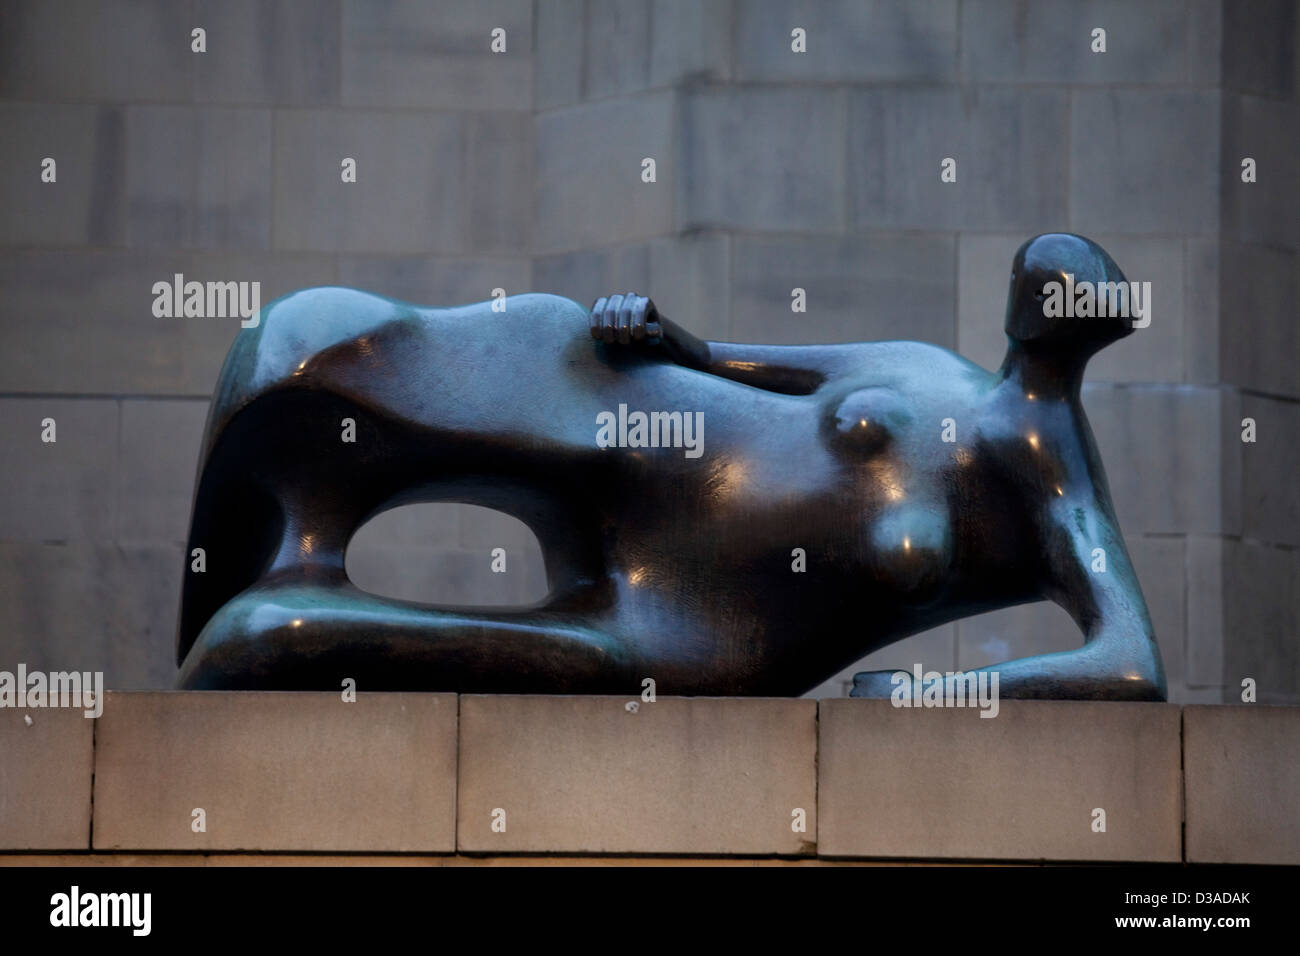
(1088, 573)
(1090, 576)
(791, 369)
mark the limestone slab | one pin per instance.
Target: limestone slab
(786, 186)
(1051, 41)
(91, 607)
(855, 289)
(1130, 143)
(945, 783)
(1011, 171)
(587, 185)
(1261, 604)
(276, 771)
(436, 54)
(409, 194)
(848, 41)
(45, 773)
(1242, 768)
(677, 775)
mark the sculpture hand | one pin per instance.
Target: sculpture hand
(624, 319)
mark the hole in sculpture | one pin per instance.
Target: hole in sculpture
(445, 554)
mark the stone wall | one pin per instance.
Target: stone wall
(1259, 346)
(774, 170)
(489, 777)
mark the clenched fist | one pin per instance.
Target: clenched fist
(624, 319)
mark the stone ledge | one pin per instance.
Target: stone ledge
(695, 779)
(1243, 799)
(947, 783)
(420, 860)
(45, 772)
(679, 775)
(276, 771)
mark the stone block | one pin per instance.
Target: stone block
(1201, 301)
(1205, 42)
(1162, 447)
(1007, 143)
(436, 54)
(589, 190)
(617, 39)
(284, 52)
(277, 771)
(857, 289)
(1144, 161)
(158, 459)
(64, 490)
(91, 606)
(679, 775)
(84, 49)
(586, 275)
(1267, 210)
(96, 332)
(1261, 605)
(1051, 42)
(198, 178)
(983, 276)
(1259, 46)
(558, 64)
(766, 159)
(850, 41)
(84, 203)
(500, 185)
(1205, 610)
(946, 783)
(437, 282)
(45, 772)
(1270, 467)
(689, 40)
(1242, 771)
(694, 271)
(409, 190)
(1258, 340)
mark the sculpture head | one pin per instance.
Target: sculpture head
(1035, 319)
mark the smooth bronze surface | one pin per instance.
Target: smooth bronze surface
(676, 561)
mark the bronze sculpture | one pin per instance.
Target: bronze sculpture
(914, 487)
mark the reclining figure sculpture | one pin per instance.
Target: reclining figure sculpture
(913, 486)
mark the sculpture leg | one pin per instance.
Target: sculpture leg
(300, 633)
